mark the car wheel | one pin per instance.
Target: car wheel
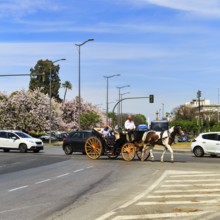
(68, 149)
(198, 151)
(23, 148)
(6, 150)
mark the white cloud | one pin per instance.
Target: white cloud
(17, 8)
(202, 7)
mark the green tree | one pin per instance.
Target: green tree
(66, 85)
(88, 120)
(184, 113)
(40, 78)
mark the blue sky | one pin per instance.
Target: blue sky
(169, 48)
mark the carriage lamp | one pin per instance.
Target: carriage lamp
(151, 98)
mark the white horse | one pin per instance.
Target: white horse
(165, 138)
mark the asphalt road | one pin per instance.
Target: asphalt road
(51, 185)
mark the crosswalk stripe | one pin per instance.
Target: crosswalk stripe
(160, 215)
(184, 196)
(186, 190)
(193, 180)
(190, 185)
(195, 175)
(179, 202)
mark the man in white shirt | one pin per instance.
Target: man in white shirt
(106, 131)
(130, 127)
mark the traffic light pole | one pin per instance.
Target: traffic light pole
(113, 110)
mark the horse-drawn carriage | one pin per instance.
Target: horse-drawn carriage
(141, 145)
(114, 145)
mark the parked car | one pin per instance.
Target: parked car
(55, 136)
(75, 141)
(183, 139)
(142, 127)
(18, 140)
(46, 138)
(206, 143)
(159, 125)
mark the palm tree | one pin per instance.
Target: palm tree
(66, 85)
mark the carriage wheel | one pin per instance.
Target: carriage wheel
(146, 153)
(128, 151)
(93, 147)
(114, 156)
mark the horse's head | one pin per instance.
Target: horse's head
(178, 130)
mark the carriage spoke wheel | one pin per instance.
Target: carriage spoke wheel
(93, 147)
(146, 153)
(128, 151)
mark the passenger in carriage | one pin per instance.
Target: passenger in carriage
(130, 127)
(106, 131)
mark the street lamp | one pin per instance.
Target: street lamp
(162, 110)
(107, 77)
(79, 108)
(52, 62)
(119, 98)
(199, 96)
(121, 103)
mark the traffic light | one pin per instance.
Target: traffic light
(151, 98)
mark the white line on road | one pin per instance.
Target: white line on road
(42, 181)
(195, 175)
(186, 190)
(157, 216)
(190, 185)
(76, 171)
(89, 167)
(62, 175)
(185, 196)
(191, 181)
(179, 202)
(21, 187)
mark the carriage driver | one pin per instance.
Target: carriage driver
(130, 127)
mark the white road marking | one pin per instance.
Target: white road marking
(42, 181)
(196, 175)
(179, 202)
(161, 215)
(190, 185)
(21, 187)
(89, 167)
(76, 171)
(186, 190)
(191, 181)
(105, 216)
(62, 175)
(185, 196)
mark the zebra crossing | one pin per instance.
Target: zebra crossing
(175, 195)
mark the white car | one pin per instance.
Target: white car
(18, 140)
(206, 143)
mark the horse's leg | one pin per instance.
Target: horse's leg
(163, 153)
(168, 147)
(151, 153)
(143, 152)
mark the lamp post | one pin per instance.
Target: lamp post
(79, 107)
(119, 98)
(52, 62)
(121, 103)
(107, 77)
(199, 96)
(162, 111)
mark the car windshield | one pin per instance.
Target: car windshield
(23, 135)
